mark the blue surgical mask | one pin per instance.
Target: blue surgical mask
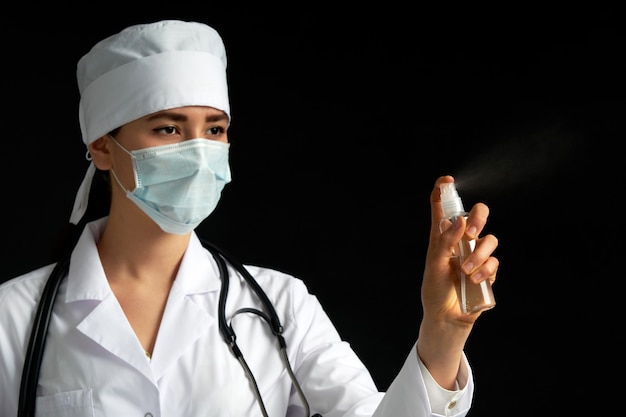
(179, 185)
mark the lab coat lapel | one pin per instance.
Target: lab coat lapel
(107, 325)
(183, 323)
(188, 313)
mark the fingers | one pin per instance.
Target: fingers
(436, 213)
(480, 264)
(476, 220)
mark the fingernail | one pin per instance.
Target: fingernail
(472, 231)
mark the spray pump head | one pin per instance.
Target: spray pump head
(451, 203)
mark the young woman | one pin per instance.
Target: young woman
(149, 320)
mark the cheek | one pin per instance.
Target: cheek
(122, 165)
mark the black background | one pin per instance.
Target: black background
(341, 123)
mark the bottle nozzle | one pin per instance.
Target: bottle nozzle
(451, 203)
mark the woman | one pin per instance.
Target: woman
(136, 327)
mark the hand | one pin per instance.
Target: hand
(439, 298)
(444, 328)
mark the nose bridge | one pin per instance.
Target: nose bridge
(193, 131)
(195, 126)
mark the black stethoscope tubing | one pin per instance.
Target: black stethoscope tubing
(37, 341)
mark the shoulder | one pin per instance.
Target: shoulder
(19, 298)
(289, 294)
(22, 293)
(276, 282)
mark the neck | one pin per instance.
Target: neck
(140, 250)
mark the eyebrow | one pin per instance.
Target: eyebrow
(173, 115)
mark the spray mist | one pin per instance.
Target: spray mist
(472, 297)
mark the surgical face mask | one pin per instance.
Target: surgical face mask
(179, 185)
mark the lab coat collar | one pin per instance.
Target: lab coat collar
(198, 272)
(86, 279)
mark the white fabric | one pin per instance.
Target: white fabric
(94, 364)
(82, 197)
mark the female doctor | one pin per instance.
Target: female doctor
(136, 326)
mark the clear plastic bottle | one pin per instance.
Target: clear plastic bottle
(472, 297)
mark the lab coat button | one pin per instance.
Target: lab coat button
(147, 415)
(451, 405)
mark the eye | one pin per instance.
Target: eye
(168, 130)
(215, 130)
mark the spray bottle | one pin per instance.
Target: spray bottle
(472, 297)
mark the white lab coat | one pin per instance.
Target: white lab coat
(94, 365)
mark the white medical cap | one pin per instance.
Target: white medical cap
(144, 69)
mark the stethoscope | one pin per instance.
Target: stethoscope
(36, 344)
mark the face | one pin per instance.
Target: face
(161, 128)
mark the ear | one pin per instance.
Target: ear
(100, 155)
